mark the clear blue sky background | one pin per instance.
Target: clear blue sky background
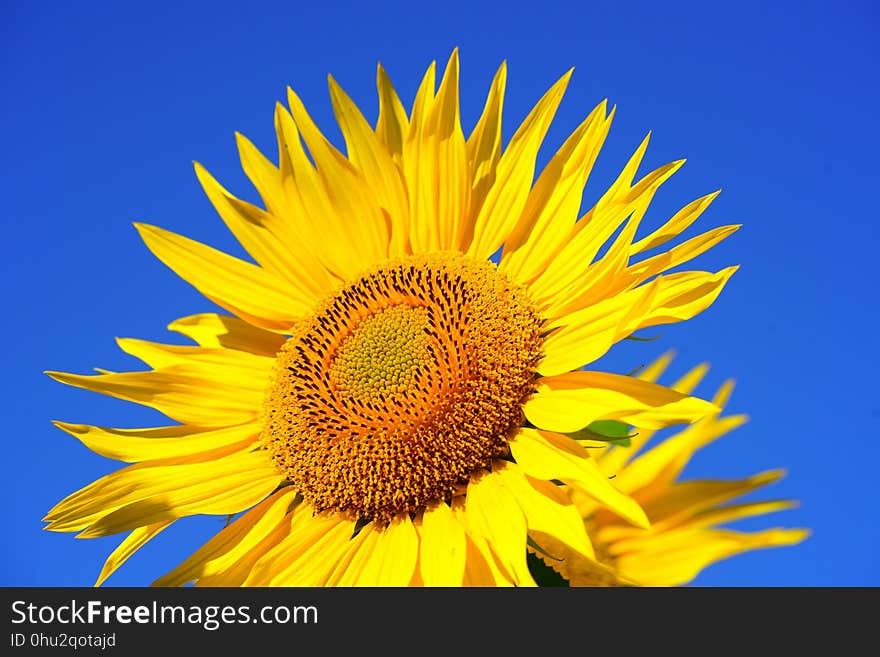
(105, 105)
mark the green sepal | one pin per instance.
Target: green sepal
(641, 339)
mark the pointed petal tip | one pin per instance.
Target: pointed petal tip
(57, 376)
(640, 519)
(241, 141)
(143, 228)
(770, 476)
(71, 428)
(800, 534)
(782, 536)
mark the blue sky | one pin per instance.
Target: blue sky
(106, 106)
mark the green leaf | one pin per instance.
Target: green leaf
(543, 574)
(609, 431)
(610, 428)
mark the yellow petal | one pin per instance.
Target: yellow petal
(689, 382)
(655, 369)
(233, 541)
(612, 460)
(732, 512)
(268, 181)
(443, 547)
(554, 202)
(175, 442)
(391, 561)
(314, 217)
(392, 124)
(132, 543)
(586, 335)
(606, 275)
(381, 173)
(545, 455)
(435, 165)
(268, 243)
(215, 331)
(663, 463)
(307, 556)
(493, 515)
(506, 198)
(246, 369)
(355, 207)
(683, 296)
(569, 402)
(581, 571)
(550, 515)
(687, 498)
(183, 393)
(238, 569)
(246, 290)
(594, 228)
(682, 253)
(452, 181)
(484, 148)
(676, 225)
(480, 567)
(676, 558)
(423, 101)
(146, 493)
(349, 560)
(332, 204)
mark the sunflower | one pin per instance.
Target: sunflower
(389, 400)
(687, 517)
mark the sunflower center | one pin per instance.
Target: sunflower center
(382, 354)
(402, 384)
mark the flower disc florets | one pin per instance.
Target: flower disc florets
(402, 384)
